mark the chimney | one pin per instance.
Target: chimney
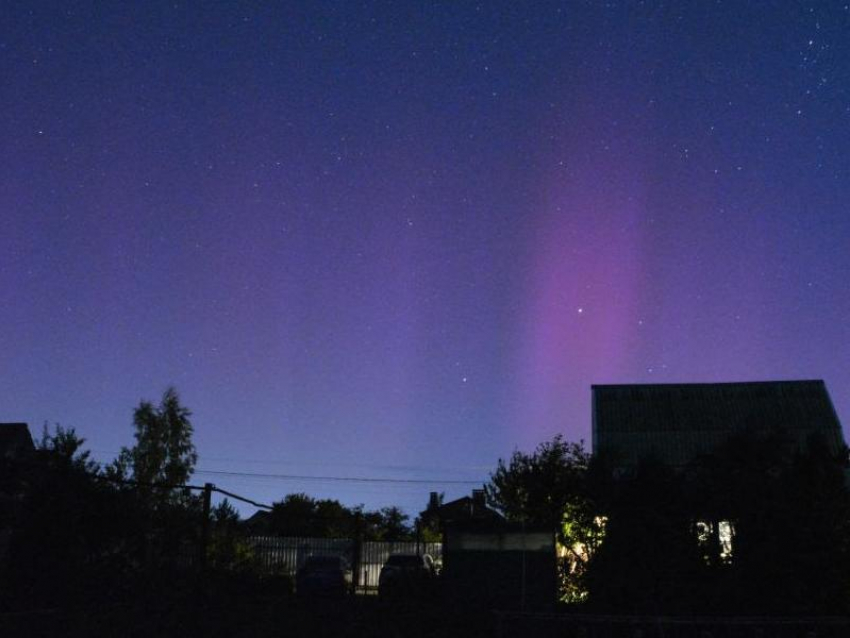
(434, 501)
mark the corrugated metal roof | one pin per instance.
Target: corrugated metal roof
(465, 508)
(676, 422)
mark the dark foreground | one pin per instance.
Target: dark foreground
(200, 615)
(177, 604)
(203, 615)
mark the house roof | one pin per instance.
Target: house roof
(677, 422)
(15, 439)
(258, 522)
(467, 508)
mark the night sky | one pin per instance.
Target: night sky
(401, 239)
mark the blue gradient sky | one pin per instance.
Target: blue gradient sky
(403, 238)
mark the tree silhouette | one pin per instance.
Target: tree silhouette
(549, 488)
(65, 447)
(429, 520)
(69, 528)
(302, 515)
(537, 488)
(394, 524)
(163, 452)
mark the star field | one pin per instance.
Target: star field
(402, 238)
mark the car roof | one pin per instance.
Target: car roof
(404, 559)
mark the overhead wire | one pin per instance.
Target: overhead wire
(345, 479)
(374, 466)
(337, 479)
(172, 486)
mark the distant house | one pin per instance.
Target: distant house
(15, 440)
(258, 524)
(466, 508)
(16, 446)
(676, 423)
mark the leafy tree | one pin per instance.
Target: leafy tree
(295, 515)
(334, 519)
(228, 549)
(224, 515)
(538, 488)
(549, 488)
(394, 524)
(163, 452)
(65, 447)
(163, 456)
(69, 525)
(302, 515)
(429, 520)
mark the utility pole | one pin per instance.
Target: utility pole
(205, 524)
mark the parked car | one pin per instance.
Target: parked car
(405, 575)
(323, 576)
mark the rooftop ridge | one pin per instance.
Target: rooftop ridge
(707, 383)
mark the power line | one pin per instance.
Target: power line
(164, 486)
(171, 486)
(343, 479)
(242, 498)
(373, 466)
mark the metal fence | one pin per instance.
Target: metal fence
(285, 555)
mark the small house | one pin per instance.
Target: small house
(490, 562)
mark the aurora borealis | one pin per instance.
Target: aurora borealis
(400, 239)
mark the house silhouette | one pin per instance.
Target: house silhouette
(15, 440)
(677, 423)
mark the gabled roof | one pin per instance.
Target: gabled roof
(674, 423)
(467, 508)
(258, 523)
(15, 440)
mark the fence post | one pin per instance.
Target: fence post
(356, 558)
(205, 524)
(522, 590)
